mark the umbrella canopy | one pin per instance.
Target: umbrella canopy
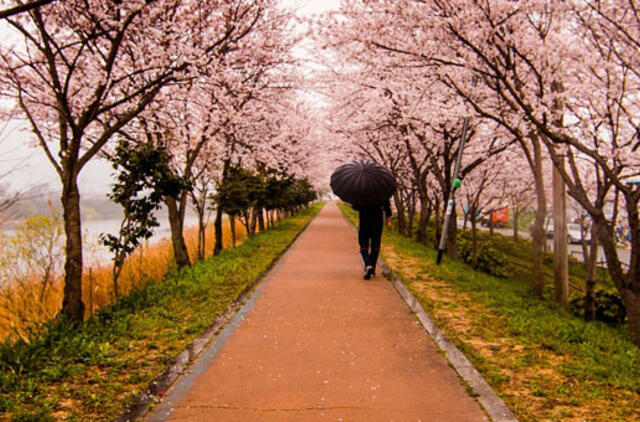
(364, 183)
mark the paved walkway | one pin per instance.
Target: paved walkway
(321, 343)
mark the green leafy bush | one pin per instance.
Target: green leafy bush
(490, 259)
(609, 307)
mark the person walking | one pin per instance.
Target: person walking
(370, 234)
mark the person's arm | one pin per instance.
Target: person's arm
(387, 212)
(387, 209)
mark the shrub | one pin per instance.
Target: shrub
(490, 259)
(609, 307)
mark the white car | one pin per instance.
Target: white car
(575, 233)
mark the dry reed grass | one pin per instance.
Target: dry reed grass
(22, 311)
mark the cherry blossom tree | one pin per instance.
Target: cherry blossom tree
(518, 186)
(85, 70)
(568, 69)
(202, 187)
(396, 99)
(21, 8)
(560, 76)
(73, 79)
(484, 189)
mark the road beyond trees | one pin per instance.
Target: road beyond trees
(321, 343)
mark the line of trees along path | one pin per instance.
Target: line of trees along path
(208, 82)
(548, 85)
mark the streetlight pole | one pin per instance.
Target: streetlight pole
(454, 187)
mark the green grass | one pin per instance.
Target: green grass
(545, 363)
(519, 255)
(94, 371)
(524, 220)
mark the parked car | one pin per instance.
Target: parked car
(575, 233)
(547, 227)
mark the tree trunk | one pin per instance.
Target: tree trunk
(421, 232)
(260, 219)
(201, 209)
(538, 237)
(438, 222)
(631, 294)
(180, 253)
(516, 217)
(624, 283)
(400, 213)
(423, 197)
(591, 263)
(118, 263)
(232, 225)
(411, 218)
(218, 231)
(72, 305)
(452, 235)
(201, 238)
(251, 222)
(560, 238)
(632, 303)
(474, 241)
(491, 225)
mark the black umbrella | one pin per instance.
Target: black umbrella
(363, 183)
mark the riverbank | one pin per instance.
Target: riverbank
(25, 304)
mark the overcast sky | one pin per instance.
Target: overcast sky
(29, 166)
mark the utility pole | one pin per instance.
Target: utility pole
(456, 184)
(560, 237)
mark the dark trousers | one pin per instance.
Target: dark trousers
(369, 237)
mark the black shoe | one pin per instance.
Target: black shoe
(369, 272)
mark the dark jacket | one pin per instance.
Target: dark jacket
(371, 217)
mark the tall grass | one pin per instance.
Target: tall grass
(22, 310)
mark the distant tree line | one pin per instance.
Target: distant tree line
(258, 198)
(145, 179)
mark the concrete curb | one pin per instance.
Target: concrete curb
(492, 404)
(185, 359)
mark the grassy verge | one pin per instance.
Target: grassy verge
(546, 364)
(519, 261)
(95, 371)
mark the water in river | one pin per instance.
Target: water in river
(92, 229)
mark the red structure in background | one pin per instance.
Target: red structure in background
(500, 216)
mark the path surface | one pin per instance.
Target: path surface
(321, 343)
